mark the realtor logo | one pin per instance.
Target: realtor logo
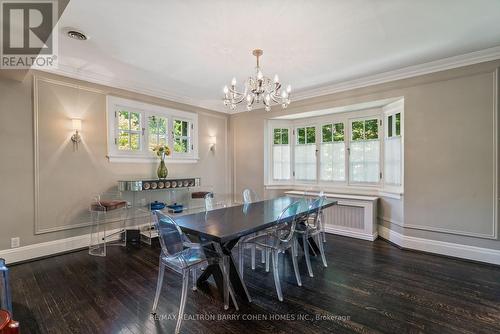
(29, 34)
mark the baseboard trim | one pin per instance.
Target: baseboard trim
(474, 253)
(350, 233)
(44, 249)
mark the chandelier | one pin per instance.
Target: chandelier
(258, 89)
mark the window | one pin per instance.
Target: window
(129, 130)
(364, 151)
(135, 128)
(182, 138)
(358, 149)
(332, 152)
(305, 153)
(158, 131)
(393, 150)
(281, 154)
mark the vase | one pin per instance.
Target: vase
(162, 170)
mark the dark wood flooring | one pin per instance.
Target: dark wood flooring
(367, 288)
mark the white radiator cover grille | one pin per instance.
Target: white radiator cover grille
(345, 216)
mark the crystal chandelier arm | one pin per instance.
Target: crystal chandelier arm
(235, 92)
(276, 88)
(277, 98)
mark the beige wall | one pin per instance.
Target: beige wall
(449, 173)
(449, 152)
(68, 178)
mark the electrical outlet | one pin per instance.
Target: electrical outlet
(15, 242)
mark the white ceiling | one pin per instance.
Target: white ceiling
(188, 50)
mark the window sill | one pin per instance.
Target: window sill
(350, 190)
(141, 159)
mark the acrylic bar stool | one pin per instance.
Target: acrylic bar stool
(101, 211)
(7, 325)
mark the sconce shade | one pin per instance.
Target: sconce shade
(77, 124)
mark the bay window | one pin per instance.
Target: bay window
(348, 149)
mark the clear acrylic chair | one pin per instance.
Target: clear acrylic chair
(184, 257)
(5, 296)
(312, 227)
(277, 240)
(250, 196)
(211, 203)
(308, 192)
(102, 211)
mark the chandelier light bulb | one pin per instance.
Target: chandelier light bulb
(276, 78)
(233, 82)
(289, 89)
(284, 95)
(226, 90)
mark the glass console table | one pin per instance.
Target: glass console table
(143, 194)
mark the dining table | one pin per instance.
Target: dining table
(222, 228)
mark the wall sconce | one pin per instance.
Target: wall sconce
(212, 140)
(77, 126)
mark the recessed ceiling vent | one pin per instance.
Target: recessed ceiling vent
(80, 36)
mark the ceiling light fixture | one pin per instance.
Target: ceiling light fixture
(258, 89)
(74, 34)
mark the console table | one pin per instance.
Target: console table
(144, 192)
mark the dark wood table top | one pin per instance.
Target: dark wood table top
(230, 223)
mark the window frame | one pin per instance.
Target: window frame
(380, 140)
(295, 136)
(333, 121)
(167, 131)
(189, 137)
(289, 144)
(391, 110)
(140, 132)
(146, 110)
(268, 151)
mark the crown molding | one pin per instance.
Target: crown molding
(129, 85)
(402, 73)
(467, 59)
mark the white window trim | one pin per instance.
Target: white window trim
(268, 151)
(146, 110)
(345, 186)
(393, 109)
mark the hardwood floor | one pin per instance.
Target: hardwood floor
(367, 288)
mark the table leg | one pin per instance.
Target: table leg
(313, 246)
(237, 283)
